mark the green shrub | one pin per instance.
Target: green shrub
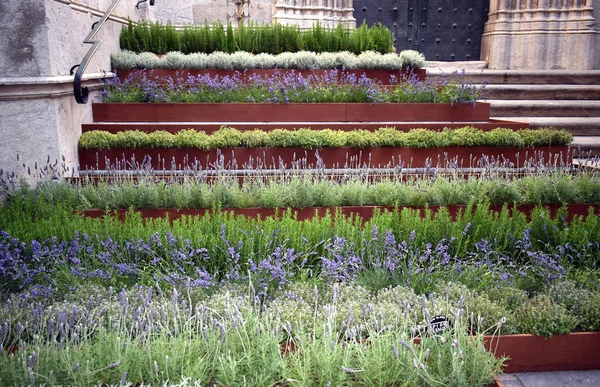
(225, 137)
(96, 139)
(545, 136)
(507, 296)
(360, 138)
(487, 315)
(540, 316)
(582, 303)
(255, 138)
(190, 138)
(412, 59)
(423, 138)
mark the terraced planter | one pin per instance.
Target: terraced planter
(530, 353)
(161, 158)
(161, 75)
(365, 212)
(290, 112)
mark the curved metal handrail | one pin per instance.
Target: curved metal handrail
(82, 93)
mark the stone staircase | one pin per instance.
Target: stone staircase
(563, 99)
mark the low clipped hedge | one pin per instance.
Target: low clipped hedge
(228, 137)
(242, 60)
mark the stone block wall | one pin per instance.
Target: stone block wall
(39, 117)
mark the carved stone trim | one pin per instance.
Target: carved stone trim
(305, 13)
(540, 34)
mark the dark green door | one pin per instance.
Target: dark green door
(444, 30)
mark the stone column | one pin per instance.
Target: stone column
(541, 34)
(43, 39)
(306, 13)
(596, 6)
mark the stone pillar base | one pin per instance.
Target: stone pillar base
(40, 121)
(538, 34)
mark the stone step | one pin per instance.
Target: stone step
(544, 108)
(578, 126)
(586, 146)
(543, 92)
(510, 77)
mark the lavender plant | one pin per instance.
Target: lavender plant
(333, 86)
(143, 335)
(172, 261)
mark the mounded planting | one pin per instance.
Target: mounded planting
(228, 137)
(286, 87)
(241, 60)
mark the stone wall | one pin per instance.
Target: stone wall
(541, 34)
(182, 12)
(39, 117)
(306, 13)
(292, 12)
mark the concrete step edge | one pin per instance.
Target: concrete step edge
(542, 87)
(581, 77)
(543, 102)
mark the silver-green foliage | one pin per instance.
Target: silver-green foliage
(584, 304)
(540, 316)
(240, 60)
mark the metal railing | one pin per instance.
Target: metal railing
(81, 93)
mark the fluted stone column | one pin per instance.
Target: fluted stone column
(306, 13)
(541, 34)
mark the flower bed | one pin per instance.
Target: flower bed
(301, 190)
(384, 147)
(289, 87)
(165, 76)
(377, 285)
